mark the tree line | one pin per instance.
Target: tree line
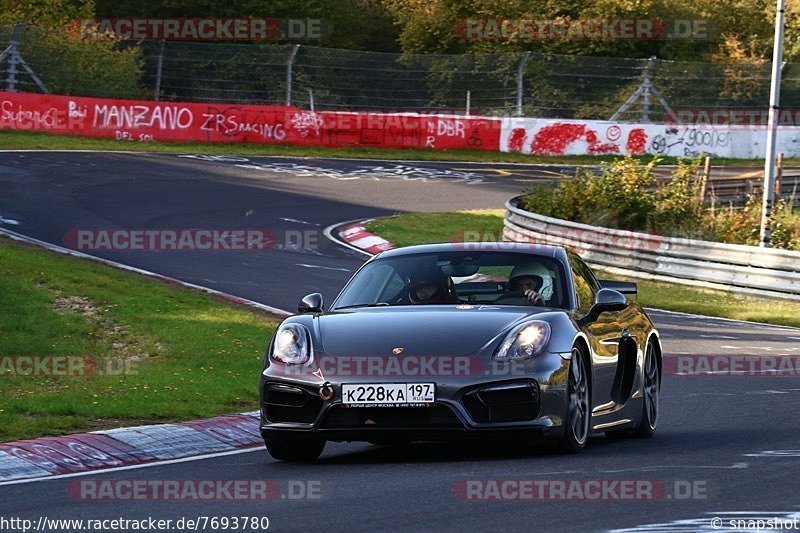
(734, 30)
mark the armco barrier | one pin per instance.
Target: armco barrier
(733, 267)
(132, 120)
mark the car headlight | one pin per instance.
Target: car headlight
(292, 345)
(525, 340)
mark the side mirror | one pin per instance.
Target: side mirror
(625, 287)
(311, 303)
(608, 300)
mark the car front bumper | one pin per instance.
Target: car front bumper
(530, 399)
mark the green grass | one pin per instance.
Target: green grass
(676, 297)
(16, 140)
(186, 355)
(426, 228)
(408, 229)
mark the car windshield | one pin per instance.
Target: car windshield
(492, 278)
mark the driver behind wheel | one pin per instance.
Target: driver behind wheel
(431, 288)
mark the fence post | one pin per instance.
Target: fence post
(159, 66)
(520, 77)
(289, 65)
(469, 98)
(646, 90)
(704, 180)
(311, 99)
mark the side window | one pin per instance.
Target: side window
(587, 274)
(586, 286)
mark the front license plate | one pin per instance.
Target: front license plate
(388, 394)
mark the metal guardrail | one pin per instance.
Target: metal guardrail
(732, 267)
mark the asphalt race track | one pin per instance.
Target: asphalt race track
(726, 447)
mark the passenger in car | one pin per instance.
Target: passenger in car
(432, 288)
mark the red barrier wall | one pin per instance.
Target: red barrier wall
(145, 121)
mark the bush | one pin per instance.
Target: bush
(619, 196)
(737, 226)
(68, 64)
(785, 227)
(678, 205)
(625, 195)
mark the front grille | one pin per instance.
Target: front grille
(436, 416)
(287, 403)
(515, 402)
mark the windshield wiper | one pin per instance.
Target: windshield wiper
(377, 304)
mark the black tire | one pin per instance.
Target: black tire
(578, 420)
(295, 448)
(650, 394)
(650, 400)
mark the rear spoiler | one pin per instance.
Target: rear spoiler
(625, 287)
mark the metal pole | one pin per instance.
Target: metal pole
(289, 64)
(520, 77)
(311, 99)
(468, 103)
(772, 129)
(159, 66)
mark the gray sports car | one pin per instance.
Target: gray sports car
(447, 341)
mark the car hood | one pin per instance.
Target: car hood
(440, 330)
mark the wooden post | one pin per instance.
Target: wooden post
(713, 204)
(778, 177)
(704, 179)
